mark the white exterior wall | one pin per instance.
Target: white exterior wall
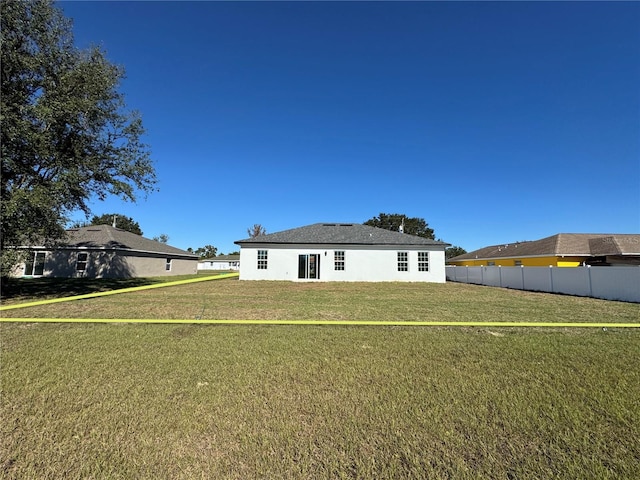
(362, 263)
(223, 265)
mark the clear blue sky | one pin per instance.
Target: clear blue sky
(495, 122)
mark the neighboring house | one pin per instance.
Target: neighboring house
(561, 250)
(342, 252)
(223, 262)
(103, 251)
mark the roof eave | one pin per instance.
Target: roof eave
(242, 242)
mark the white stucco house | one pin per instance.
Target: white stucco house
(345, 252)
(222, 262)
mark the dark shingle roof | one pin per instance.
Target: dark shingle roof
(567, 244)
(108, 237)
(341, 234)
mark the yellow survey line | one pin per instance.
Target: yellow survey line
(327, 322)
(114, 292)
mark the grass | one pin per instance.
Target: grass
(234, 299)
(15, 290)
(230, 402)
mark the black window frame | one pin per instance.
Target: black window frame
(423, 261)
(403, 261)
(263, 259)
(82, 259)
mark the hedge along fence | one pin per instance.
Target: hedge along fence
(609, 283)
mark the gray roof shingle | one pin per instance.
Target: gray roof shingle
(108, 237)
(341, 234)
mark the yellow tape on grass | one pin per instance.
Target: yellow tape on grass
(327, 322)
(114, 292)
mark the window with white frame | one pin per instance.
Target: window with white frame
(262, 259)
(167, 265)
(81, 262)
(423, 261)
(34, 265)
(403, 262)
(338, 259)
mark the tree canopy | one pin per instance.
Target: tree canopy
(393, 221)
(454, 251)
(66, 135)
(256, 230)
(162, 238)
(208, 251)
(122, 222)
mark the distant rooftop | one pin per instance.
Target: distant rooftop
(562, 244)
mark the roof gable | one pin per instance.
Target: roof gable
(341, 234)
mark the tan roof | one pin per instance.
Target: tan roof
(562, 244)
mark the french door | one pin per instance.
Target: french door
(309, 266)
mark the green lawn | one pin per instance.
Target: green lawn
(201, 401)
(235, 299)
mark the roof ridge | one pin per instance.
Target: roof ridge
(110, 232)
(556, 243)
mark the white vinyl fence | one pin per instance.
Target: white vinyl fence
(610, 283)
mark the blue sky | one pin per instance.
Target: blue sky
(494, 121)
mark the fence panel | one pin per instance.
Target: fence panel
(474, 275)
(538, 279)
(572, 281)
(511, 277)
(616, 283)
(610, 283)
(492, 276)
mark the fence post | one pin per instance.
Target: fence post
(551, 277)
(500, 274)
(590, 284)
(522, 270)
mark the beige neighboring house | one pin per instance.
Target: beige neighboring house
(102, 251)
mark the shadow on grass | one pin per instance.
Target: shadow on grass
(34, 288)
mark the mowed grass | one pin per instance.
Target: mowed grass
(231, 402)
(235, 299)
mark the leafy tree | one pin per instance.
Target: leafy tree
(208, 251)
(66, 136)
(454, 251)
(122, 222)
(393, 221)
(162, 238)
(256, 230)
